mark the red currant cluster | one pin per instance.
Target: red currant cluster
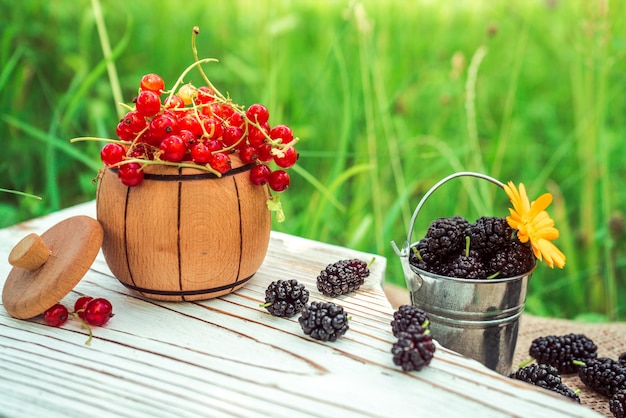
(91, 312)
(198, 127)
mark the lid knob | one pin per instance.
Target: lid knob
(30, 253)
(47, 267)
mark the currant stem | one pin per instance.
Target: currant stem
(83, 324)
(95, 138)
(194, 34)
(184, 73)
(127, 107)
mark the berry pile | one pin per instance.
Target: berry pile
(323, 321)
(486, 249)
(604, 375)
(545, 376)
(88, 310)
(414, 348)
(198, 127)
(576, 353)
(342, 277)
(617, 404)
(564, 352)
(285, 298)
(607, 377)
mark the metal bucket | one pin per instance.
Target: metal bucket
(478, 318)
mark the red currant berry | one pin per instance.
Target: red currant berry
(260, 174)
(130, 174)
(189, 122)
(81, 304)
(257, 137)
(188, 138)
(247, 154)
(213, 127)
(148, 138)
(173, 148)
(143, 151)
(220, 162)
(123, 132)
(282, 132)
(148, 103)
(174, 102)
(287, 159)
(232, 135)
(258, 113)
(221, 111)
(98, 312)
(264, 153)
(56, 315)
(163, 126)
(112, 153)
(215, 145)
(201, 153)
(237, 119)
(152, 82)
(204, 95)
(134, 122)
(279, 180)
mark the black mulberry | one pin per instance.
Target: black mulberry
(423, 258)
(285, 298)
(446, 235)
(622, 358)
(545, 376)
(468, 265)
(342, 277)
(324, 321)
(604, 375)
(489, 234)
(561, 351)
(413, 350)
(514, 260)
(617, 404)
(408, 318)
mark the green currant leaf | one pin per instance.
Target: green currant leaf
(274, 205)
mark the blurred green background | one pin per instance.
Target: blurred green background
(388, 97)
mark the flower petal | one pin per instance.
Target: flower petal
(534, 224)
(540, 204)
(551, 253)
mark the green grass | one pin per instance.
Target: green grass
(387, 98)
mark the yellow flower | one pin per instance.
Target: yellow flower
(534, 224)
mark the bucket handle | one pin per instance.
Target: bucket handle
(404, 252)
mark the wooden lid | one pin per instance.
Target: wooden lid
(47, 267)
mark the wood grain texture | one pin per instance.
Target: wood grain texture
(227, 356)
(72, 245)
(184, 234)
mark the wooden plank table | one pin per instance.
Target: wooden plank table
(229, 357)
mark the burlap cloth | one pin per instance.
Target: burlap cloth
(609, 337)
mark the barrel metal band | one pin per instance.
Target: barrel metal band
(188, 292)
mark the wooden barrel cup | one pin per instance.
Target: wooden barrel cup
(184, 234)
